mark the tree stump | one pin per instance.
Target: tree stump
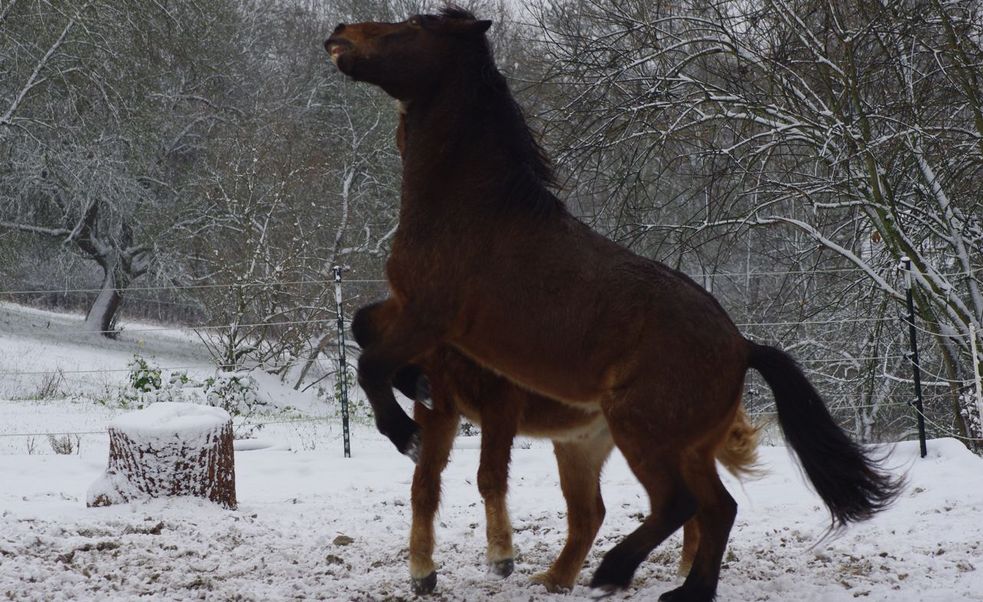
(166, 450)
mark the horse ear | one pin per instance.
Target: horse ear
(482, 26)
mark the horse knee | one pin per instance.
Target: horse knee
(372, 371)
(362, 330)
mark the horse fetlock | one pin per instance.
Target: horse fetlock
(425, 585)
(685, 565)
(423, 573)
(553, 583)
(502, 568)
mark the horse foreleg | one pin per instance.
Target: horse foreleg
(438, 428)
(392, 339)
(580, 463)
(499, 422)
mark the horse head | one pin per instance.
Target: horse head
(408, 59)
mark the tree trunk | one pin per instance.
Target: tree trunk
(104, 311)
(167, 450)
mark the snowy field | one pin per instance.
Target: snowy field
(312, 525)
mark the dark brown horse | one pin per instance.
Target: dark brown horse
(456, 386)
(487, 260)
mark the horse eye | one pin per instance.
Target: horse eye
(416, 21)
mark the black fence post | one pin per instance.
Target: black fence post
(342, 364)
(915, 366)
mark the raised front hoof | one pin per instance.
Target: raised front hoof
(411, 448)
(424, 586)
(502, 568)
(423, 394)
(552, 584)
(688, 594)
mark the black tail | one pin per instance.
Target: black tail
(851, 484)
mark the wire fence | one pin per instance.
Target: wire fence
(329, 281)
(839, 402)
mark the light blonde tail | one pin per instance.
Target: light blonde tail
(739, 451)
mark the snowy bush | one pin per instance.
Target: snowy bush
(236, 393)
(144, 378)
(970, 414)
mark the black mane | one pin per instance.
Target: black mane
(452, 11)
(505, 111)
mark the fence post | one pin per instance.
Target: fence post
(342, 363)
(915, 366)
(976, 372)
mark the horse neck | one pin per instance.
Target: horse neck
(440, 134)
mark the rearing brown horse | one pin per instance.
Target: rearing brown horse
(487, 260)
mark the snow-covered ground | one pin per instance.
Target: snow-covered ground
(298, 496)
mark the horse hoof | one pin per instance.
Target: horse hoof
(682, 594)
(423, 394)
(611, 576)
(412, 447)
(425, 585)
(599, 592)
(503, 568)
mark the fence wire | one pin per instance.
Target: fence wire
(920, 325)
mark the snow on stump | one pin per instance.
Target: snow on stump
(166, 450)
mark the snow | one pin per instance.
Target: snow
(313, 525)
(171, 419)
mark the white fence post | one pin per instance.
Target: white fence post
(976, 371)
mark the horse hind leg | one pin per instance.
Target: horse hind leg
(739, 455)
(691, 542)
(438, 428)
(715, 514)
(499, 423)
(672, 504)
(580, 463)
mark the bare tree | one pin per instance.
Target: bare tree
(100, 111)
(853, 127)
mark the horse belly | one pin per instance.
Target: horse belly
(558, 372)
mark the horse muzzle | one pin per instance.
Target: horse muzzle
(337, 47)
